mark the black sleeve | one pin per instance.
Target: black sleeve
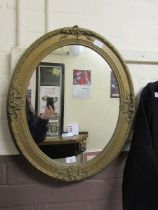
(38, 129)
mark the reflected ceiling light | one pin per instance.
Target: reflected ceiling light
(76, 49)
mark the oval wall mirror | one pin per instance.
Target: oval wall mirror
(84, 78)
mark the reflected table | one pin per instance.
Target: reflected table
(61, 147)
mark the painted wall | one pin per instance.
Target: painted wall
(24, 189)
(130, 25)
(132, 32)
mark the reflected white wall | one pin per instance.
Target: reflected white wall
(98, 113)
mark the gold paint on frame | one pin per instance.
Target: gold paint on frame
(17, 93)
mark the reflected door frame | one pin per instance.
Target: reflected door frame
(50, 79)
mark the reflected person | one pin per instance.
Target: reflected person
(38, 126)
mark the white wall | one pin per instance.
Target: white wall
(131, 26)
(93, 113)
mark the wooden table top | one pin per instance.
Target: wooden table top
(64, 140)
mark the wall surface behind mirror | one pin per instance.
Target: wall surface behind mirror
(19, 29)
(132, 26)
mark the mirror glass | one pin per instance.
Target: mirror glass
(86, 103)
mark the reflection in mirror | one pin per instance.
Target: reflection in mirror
(85, 97)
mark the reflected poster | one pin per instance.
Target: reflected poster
(81, 83)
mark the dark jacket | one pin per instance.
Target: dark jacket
(140, 178)
(38, 127)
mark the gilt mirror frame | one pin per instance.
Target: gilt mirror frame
(17, 96)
